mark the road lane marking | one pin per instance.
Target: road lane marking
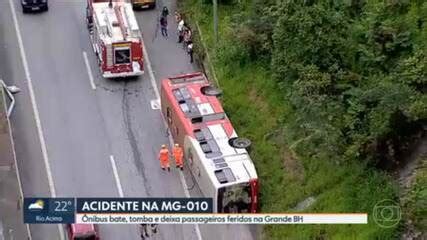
(155, 104)
(89, 71)
(150, 71)
(156, 91)
(185, 186)
(35, 110)
(116, 176)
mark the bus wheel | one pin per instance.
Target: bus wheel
(211, 91)
(238, 142)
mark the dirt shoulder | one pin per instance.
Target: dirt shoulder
(11, 216)
(413, 192)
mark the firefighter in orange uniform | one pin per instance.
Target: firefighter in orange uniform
(164, 158)
(178, 154)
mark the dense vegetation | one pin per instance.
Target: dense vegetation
(331, 92)
(356, 77)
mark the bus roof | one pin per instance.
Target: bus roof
(208, 126)
(227, 164)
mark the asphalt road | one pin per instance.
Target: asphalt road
(84, 129)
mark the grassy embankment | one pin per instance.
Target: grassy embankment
(256, 107)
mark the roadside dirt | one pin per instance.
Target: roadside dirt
(406, 178)
(11, 215)
(407, 174)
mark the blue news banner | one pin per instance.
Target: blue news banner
(63, 210)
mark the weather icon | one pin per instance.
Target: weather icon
(37, 205)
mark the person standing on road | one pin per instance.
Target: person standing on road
(164, 158)
(164, 26)
(190, 50)
(165, 12)
(178, 154)
(147, 230)
(153, 228)
(187, 36)
(143, 229)
(177, 17)
(180, 31)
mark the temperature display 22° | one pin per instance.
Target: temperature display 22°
(49, 210)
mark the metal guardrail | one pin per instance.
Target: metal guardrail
(210, 67)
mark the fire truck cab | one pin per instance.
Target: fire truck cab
(115, 37)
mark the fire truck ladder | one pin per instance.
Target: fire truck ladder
(120, 20)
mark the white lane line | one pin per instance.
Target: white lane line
(156, 91)
(185, 186)
(33, 101)
(35, 110)
(155, 104)
(116, 176)
(89, 71)
(181, 174)
(150, 71)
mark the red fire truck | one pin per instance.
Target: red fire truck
(215, 155)
(116, 38)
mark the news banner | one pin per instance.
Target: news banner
(162, 211)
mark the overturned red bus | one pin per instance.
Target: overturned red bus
(216, 157)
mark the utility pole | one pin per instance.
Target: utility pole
(215, 13)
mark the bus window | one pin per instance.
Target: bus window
(213, 117)
(122, 55)
(190, 157)
(234, 199)
(197, 120)
(91, 237)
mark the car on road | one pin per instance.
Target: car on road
(82, 232)
(34, 5)
(139, 4)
